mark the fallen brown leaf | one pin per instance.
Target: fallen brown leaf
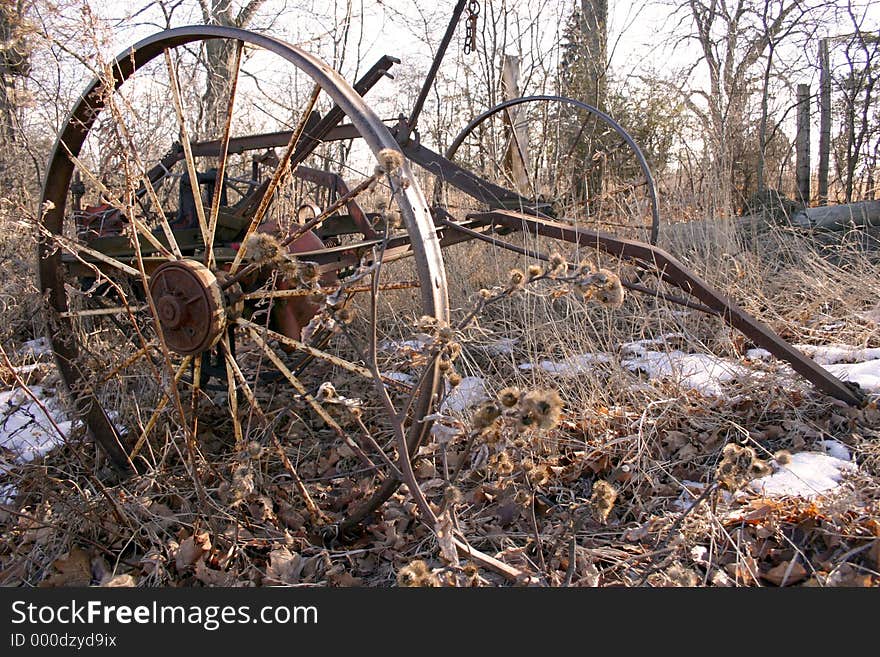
(785, 574)
(285, 568)
(191, 550)
(75, 569)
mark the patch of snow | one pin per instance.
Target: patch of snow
(807, 475)
(641, 347)
(501, 347)
(7, 493)
(702, 372)
(758, 354)
(467, 394)
(443, 433)
(831, 354)
(26, 431)
(572, 366)
(394, 345)
(691, 491)
(35, 348)
(402, 377)
(699, 554)
(866, 374)
(836, 449)
(21, 370)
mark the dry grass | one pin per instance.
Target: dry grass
(588, 502)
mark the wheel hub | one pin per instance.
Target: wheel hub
(190, 305)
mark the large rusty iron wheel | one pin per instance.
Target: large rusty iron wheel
(162, 331)
(558, 160)
(564, 159)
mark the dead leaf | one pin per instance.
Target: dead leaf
(290, 517)
(74, 569)
(785, 574)
(284, 568)
(673, 441)
(743, 570)
(191, 550)
(212, 577)
(338, 576)
(848, 576)
(152, 561)
(874, 554)
(122, 581)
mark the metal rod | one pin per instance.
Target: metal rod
(432, 72)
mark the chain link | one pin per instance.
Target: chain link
(470, 38)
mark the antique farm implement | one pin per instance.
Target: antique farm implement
(251, 268)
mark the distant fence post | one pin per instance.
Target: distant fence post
(802, 166)
(824, 119)
(517, 156)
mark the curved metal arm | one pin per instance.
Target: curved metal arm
(614, 125)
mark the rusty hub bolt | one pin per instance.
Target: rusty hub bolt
(190, 305)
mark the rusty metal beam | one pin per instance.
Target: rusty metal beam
(675, 273)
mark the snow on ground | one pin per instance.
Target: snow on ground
(467, 394)
(501, 347)
(26, 431)
(831, 354)
(702, 372)
(807, 475)
(573, 366)
(470, 392)
(35, 348)
(400, 377)
(707, 373)
(866, 374)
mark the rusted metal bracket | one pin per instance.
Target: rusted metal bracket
(670, 270)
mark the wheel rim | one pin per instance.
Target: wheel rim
(568, 129)
(181, 309)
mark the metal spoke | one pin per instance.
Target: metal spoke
(224, 152)
(233, 397)
(300, 388)
(305, 292)
(280, 170)
(196, 388)
(187, 148)
(315, 513)
(128, 362)
(302, 346)
(95, 312)
(75, 247)
(145, 181)
(119, 206)
(302, 230)
(163, 402)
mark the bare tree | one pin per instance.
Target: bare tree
(220, 55)
(15, 65)
(733, 36)
(858, 85)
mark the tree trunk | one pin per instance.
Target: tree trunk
(594, 34)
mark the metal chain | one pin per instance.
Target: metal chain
(470, 38)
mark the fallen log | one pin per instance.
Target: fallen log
(839, 217)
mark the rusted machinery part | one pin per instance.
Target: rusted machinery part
(670, 270)
(190, 306)
(599, 114)
(411, 201)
